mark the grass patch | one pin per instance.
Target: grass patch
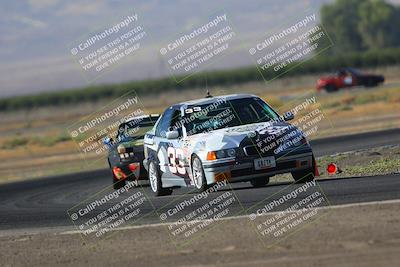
(346, 108)
(379, 166)
(351, 99)
(328, 159)
(51, 141)
(331, 104)
(369, 98)
(15, 142)
(41, 141)
(377, 161)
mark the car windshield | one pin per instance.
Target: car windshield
(353, 71)
(135, 128)
(214, 116)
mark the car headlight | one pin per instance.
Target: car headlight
(231, 152)
(221, 154)
(121, 149)
(125, 153)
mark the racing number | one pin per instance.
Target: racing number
(273, 130)
(173, 155)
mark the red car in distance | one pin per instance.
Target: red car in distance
(348, 77)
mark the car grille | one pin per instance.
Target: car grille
(254, 151)
(250, 150)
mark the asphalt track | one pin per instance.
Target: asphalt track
(43, 203)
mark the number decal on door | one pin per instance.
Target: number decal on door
(173, 156)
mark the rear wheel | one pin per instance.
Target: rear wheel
(371, 83)
(199, 177)
(155, 181)
(259, 182)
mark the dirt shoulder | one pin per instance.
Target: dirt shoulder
(363, 235)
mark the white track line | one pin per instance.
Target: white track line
(246, 216)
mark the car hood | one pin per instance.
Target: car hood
(234, 137)
(326, 79)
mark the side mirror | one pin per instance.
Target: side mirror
(172, 134)
(288, 116)
(108, 141)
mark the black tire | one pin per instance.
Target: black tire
(198, 174)
(371, 83)
(330, 88)
(259, 182)
(306, 175)
(155, 181)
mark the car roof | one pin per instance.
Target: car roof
(210, 100)
(350, 69)
(141, 117)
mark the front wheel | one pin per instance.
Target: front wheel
(199, 177)
(330, 88)
(155, 181)
(306, 175)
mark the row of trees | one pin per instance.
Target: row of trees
(358, 25)
(372, 58)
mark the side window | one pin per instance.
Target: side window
(175, 121)
(120, 130)
(162, 126)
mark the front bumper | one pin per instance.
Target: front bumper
(238, 170)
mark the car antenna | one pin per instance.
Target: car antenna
(208, 95)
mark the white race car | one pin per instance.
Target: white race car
(235, 138)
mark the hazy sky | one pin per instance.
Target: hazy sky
(36, 36)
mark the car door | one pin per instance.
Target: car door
(347, 78)
(169, 152)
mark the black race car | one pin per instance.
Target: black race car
(125, 155)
